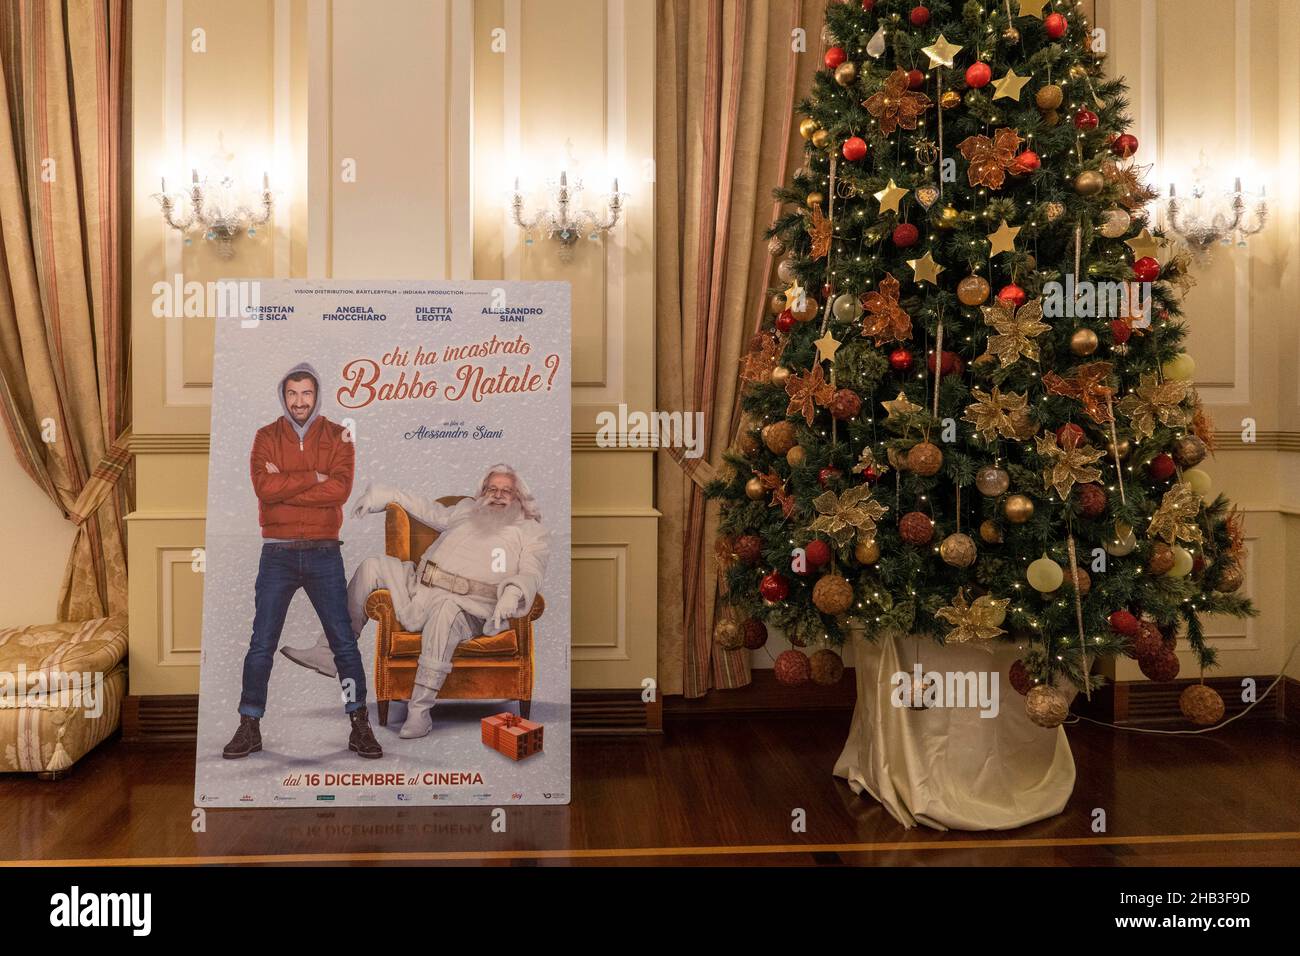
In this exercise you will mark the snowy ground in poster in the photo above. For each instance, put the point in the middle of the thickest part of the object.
(305, 760)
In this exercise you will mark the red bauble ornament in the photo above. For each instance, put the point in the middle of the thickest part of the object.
(774, 586)
(1120, 331)
(755, 632)
(919, 16)
(818, 553)
(854, 148)
(1055, 25)
(1161, 467)
(1018, 677)
(1149, 642)
(1069, 429)
(1146, 269)
(792, 667)
(1198, 565)
(1012, 294)
(1085, 119)
(1123, 622)
(950, 364)
(1124, 145)
(749, 548)
(827, 475)
(978, 74)
(905, 235)
(1092, 501)
(900, 360)
(1028, 162)
(834, 57)
(916, 528)
(1159, 667)
(915, 79)
(828, 290)
(845, 404)
(785, 322)
(868, 5)
(870, 475)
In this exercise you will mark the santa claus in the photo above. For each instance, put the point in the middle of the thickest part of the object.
(485, 567)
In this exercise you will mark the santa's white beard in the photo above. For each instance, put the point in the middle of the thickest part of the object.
(489, 519)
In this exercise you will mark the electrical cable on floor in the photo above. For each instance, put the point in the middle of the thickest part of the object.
(1204, 730)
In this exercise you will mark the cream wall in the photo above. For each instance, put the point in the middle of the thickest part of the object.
(38, 540)
(1221, 78)
(412, 95)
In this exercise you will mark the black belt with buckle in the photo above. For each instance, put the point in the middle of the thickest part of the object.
(306, 544)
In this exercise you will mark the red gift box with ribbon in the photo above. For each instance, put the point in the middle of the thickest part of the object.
(513, 736)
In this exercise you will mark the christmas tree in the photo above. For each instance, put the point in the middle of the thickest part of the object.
(971, 415)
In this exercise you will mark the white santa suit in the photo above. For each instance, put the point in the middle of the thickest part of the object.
(466, 548)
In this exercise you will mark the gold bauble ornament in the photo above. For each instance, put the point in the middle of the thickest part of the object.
(1078, 71)
(785, 270)
(948, 218)
(1082, 582)
(973, 290)
(1199, 480)
(808, 312)
(1084, 342)
(1018, 508)
(1230, 578)
(832, 594)
(776, 304)
(1201, 705)
(1123, 543)
(814, 199)
(990, 533)
(749, 444)
(1114, 223)
(1180, 368)
(796, 456)
(1044, 575)
(1122, 449)
(1049, 97)
(1161, 559)
(780, 375)
(925, 459)
(821, 139)
(728, 635)
(1051, 118)
(827, 666)
(1189, 451)
(950, 100)
(779, 437)
(754, 490)
(1046, 706)
(992, 481)
(1089, 183)
(846, 74)
(1011, 35)
(807, 127)
(866, 552)
(1054, 211)
(958, 550)
(775, 247)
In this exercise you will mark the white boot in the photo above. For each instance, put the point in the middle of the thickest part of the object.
(318, 657)
(418, 722)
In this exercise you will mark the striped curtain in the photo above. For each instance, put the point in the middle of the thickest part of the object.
(63, 339)
(729, 72)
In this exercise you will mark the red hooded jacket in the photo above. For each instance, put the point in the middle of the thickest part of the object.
(293, 504)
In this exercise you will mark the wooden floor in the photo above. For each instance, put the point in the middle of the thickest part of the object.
(707, 792)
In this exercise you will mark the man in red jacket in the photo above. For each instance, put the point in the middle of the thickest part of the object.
(302, 474)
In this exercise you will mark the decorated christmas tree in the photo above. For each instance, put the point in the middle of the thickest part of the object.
(970, 414)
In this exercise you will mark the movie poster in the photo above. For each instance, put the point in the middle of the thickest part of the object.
(386, 593)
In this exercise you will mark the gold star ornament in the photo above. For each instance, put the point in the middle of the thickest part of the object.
(1004, 239)
(890, 197)
(941, 52)
(1030, 8)
(795, 296)
(900, 406)
(1009, 86)
(827, 346)
(925, 269)
(1142, 245)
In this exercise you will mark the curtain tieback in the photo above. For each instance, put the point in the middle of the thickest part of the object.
(697, 469)
(102, 480)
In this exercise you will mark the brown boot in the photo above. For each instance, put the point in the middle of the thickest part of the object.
(363, 738)
(247, 739)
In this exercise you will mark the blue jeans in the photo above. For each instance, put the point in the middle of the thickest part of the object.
(280, 573)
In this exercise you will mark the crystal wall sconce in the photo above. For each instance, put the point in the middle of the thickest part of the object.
(214, 212)
(1210, 216)
(560, 222)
